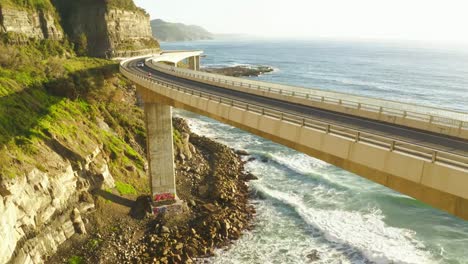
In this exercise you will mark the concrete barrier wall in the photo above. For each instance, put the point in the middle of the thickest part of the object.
(435, 124)
(440, 185)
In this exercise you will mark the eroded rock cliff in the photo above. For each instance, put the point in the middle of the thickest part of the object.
(100, 28)
(43, 209)
(110, 30)
(29, 23)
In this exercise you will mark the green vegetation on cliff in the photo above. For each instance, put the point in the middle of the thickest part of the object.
(122, 4)
(28, 4)
(68, 106)
(67, 7)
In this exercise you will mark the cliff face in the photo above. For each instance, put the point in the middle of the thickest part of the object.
(40, 211)
(110, 30)
(129, 29)
(99, 28)
(36, 24)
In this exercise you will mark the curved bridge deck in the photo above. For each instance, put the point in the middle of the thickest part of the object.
(429, 166)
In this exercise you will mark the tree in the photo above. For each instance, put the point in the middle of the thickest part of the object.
(81, 45)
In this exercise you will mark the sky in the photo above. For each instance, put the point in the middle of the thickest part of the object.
(420, 20)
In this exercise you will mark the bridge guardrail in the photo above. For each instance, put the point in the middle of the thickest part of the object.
(453, 120)
(390, 144)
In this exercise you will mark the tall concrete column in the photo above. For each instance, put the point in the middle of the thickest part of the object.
(194, 63)
(160, 151)
(191, 63)
(197, 63)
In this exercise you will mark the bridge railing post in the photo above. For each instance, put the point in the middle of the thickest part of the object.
(392, 145)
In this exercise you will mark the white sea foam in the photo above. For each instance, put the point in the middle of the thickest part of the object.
(278, 239)
(299, 162)
(353, 232)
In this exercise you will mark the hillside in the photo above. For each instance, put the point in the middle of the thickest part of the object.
(64, 130)
(166, 31)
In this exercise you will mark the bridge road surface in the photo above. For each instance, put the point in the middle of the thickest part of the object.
(417, 137)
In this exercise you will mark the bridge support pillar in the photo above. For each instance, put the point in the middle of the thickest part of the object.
(160, 152)
(194, 63)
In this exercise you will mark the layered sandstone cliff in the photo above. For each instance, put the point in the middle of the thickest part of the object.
(40, 210)
(35, 24)
(110, 30)
(100, 28)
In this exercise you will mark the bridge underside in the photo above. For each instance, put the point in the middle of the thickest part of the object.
(438, 185)
(192, 57)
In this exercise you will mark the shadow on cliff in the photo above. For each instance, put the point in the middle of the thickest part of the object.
(87, 18)
(20, 112)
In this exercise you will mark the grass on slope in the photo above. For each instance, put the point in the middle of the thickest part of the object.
(70, 107)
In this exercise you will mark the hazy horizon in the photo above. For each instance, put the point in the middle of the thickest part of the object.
(397, 20)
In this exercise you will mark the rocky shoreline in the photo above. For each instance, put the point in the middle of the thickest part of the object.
(240, 71)
(210, 179)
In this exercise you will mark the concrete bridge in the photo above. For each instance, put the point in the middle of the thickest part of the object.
(416, 150)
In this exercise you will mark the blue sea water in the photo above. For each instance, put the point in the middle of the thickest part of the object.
(306, 206)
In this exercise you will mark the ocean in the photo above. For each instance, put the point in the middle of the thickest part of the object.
(308, 210)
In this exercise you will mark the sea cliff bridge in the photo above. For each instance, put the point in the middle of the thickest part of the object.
(415, 150)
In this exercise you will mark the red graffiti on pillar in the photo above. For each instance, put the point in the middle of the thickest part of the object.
(164, 197)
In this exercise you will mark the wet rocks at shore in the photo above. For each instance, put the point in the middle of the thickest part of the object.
(211, 181)
(314, 256)
(242, 152)
(240, 71)
(213, 185)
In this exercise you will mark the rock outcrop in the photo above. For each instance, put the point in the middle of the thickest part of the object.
(30, 24)
(240, 71)
(40, 210)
